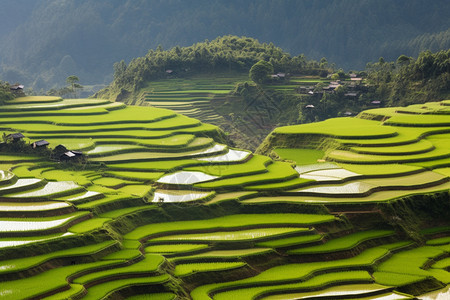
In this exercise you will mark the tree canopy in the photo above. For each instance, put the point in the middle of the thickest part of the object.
(5, 92)
(261, 71)
(411, 80)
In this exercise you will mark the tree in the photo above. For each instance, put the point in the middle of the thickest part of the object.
(73, 80)
(323, 63)
(403, 60)
(261, 71)
(5, 92)
(119, 69)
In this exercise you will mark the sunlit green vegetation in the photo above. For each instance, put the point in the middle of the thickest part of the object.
(277, 171)
(54, 279)
(15, 265)
(411, 262)
(257, 164)
(187, 269)
(300, 156)
(315, 283)
(250, 234)
(103, 289)
(232, 221)
(174, 248)
(290, 241)
(150, 263)
(341, 128)
(343, 243)
(295, 272)
(108, 225)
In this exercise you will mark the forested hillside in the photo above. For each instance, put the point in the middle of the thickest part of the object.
(411, 80)
(248, 88)
(227, 53)
(85, 38)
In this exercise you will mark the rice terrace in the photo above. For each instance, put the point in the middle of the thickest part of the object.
(141, 160)
(162, 208)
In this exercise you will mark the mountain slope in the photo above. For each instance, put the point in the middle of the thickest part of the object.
(86, 37)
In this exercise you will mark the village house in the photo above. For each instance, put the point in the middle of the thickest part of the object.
(375, 102)
(16, 87)
(60, 149)
(351, 94)
(40, 144)
(71, 155)
(15, 137)
(17, 90)
(278, 76)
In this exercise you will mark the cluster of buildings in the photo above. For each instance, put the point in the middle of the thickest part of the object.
(353, 87)
(60, 152)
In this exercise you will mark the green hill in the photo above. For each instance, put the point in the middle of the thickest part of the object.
(210, 81)
(157, 206)
(223, 54)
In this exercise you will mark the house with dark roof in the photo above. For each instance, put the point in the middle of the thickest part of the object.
(16, 87)
(60, 148)
(17, 90)
(15, 137)
(39, 144)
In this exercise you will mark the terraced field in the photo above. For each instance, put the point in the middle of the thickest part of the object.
(191, 97)
(161, 208)
(214, 100)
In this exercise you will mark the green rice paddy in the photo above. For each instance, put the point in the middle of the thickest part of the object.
(341, 128)
(187, 269)
(251, 234)
(15, 265)
(174, 248)
(277, 171)
(349, 206)
(232, 221)
(344, 243)
(314, 283)
(300, 156)
(192, 96)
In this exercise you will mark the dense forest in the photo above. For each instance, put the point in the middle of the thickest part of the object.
(410, 80)
(43, 42)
